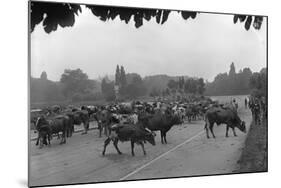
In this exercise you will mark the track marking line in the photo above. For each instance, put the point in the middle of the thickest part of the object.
(160, 156)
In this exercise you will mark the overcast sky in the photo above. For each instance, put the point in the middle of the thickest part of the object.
(201, 47)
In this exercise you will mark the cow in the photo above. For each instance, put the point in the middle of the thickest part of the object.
(226, 116)
(70, 128)
(188, 113)
(104, 119)
(82, 116)
(160, 122)
(91, 109)
(46, 127)
(56, 109)
(127, 132)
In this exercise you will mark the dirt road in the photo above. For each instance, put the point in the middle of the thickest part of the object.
(187, 153)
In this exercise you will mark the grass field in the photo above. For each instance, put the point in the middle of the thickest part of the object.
(254, 157)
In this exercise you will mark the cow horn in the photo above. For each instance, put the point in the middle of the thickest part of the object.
(147, 130)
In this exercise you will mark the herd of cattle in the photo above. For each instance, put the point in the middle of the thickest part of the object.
(135, 122)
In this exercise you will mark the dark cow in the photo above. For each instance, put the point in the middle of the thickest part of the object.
(56, 109)
(160, 122)
(226, 116)
(70, 128)
(82, 116)
(127, 132)
(46, 127)
(91, 110)
(188, 113)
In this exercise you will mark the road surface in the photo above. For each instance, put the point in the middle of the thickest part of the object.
(188, 153)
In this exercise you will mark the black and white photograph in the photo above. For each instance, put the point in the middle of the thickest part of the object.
(122, 93)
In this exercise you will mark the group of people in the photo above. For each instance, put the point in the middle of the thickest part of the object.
(258, 107)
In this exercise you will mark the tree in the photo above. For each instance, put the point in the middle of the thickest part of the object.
(123, 81)
(136, 88)
(190, 86)
(107, 89)
(43, 76)
(75, 81)
(172, 84)
(167, 91)
(181, 83)
(45, 91)
(232, 83)
(117, 76)
(258, 82)
(155, 92)
(232, 70)
(200, 86)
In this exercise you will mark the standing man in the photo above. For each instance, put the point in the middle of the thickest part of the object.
(246, 103)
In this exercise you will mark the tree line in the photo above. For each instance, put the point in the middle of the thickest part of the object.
(75, 85)
(231, 83)
(258, 83)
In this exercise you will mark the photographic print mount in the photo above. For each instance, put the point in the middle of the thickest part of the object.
(126, 93)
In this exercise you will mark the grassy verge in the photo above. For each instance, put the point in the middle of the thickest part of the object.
(254, 157)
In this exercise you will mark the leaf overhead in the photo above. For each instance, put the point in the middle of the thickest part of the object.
(53, 14)
(248, 23)
(248, 19)
(63, 14)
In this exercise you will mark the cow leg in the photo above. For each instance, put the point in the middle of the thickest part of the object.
(85, 128)
(49, 139)
(142, 145)
(68, 132)
(37, 140)
(62, 139)
(207, 130)
(211, 129)
(41, 139)
(106, 142)
(64, 136)
(132, 148)
(226, 133)
(45, 140)
(234, 133)
(162, 137)
(100, 129)
(115, 143)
